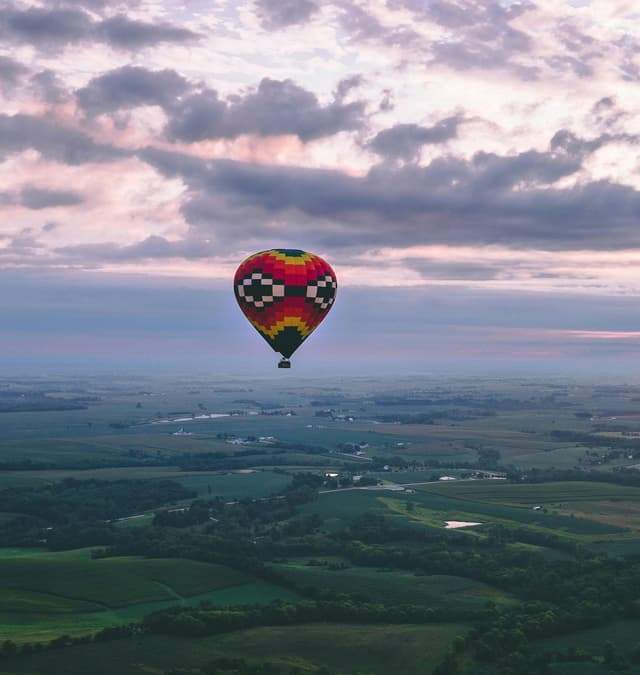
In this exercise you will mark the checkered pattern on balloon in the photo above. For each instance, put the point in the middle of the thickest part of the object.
(285, 294)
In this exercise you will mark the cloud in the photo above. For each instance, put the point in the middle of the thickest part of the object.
(129, 87)
(62, 144)
(49, 87)
(124, 33)
(276, 14)
(479, 34)
(572, 144)
(346, 85)
(39, 198)
(404, 141)
(565, 63)
(57, 27)
(363, 26)
(11, 71)
(153, 247)
(274, 108)
(452, 270)
(44, 27)
(488, 199)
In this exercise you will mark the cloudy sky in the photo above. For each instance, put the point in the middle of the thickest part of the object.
(470, 169)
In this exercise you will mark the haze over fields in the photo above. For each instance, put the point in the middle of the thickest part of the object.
(468, 168)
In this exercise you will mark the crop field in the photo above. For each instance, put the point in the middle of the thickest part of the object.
(625, 635)
(344, 648)
(225, 484)
(338, 509)
(433, 510)
(510, 442)
(432, 504)
(615, 505)
(396, 587)
(235, 485)
(46, 594)
(132, 421)
(532, 493)
(501, 513)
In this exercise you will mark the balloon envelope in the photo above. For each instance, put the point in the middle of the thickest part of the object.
(285, 294)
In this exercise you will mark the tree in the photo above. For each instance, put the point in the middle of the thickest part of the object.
(9, 648)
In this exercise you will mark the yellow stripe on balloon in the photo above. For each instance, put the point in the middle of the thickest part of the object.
(289, 321)
(291, 259)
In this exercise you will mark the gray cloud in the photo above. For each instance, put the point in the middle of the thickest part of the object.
(11, 71)
(404, 141)
(570, 63)
(346, 85)
(606, 114)
(57, 27)
(93, 5)
(39, 198)
(62, 144)
(44, 27)
(482, 35)
(20, 245)
(573, 38)
(274, 108)
(152, 247)
(630, 71)
(487, 54)
(124, 33)
(447, 270)
(275, 14)
(488, 199)
(571, 144)
(49, 87)
(363, 26)
(129, 87)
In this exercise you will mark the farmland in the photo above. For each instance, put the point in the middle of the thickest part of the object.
(113, 582)
(353, 649)
(385, 586)
(44, 595)
(265, 520)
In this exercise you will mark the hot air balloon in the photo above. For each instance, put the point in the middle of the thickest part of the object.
(285, 294)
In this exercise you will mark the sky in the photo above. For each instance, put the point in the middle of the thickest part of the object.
(469, 169)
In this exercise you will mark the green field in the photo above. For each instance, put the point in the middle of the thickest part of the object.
(624, 634)
(532, 493)
(604, 503)
(348, 649)
(43, 595)
(433, 504)
(393, 587)
(236, 484)
(338, 509)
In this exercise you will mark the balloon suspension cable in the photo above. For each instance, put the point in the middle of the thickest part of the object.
(284, 363)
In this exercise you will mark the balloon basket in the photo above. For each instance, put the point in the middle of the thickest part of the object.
(284, 363)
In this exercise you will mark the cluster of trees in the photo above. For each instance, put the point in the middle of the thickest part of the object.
(277, 453)
(242, 667)
(9, 648)
(504, 645)
(629, 477)
(37, 401)
(342, 608)
(595, 441)
(75, 513)
(557, 596)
